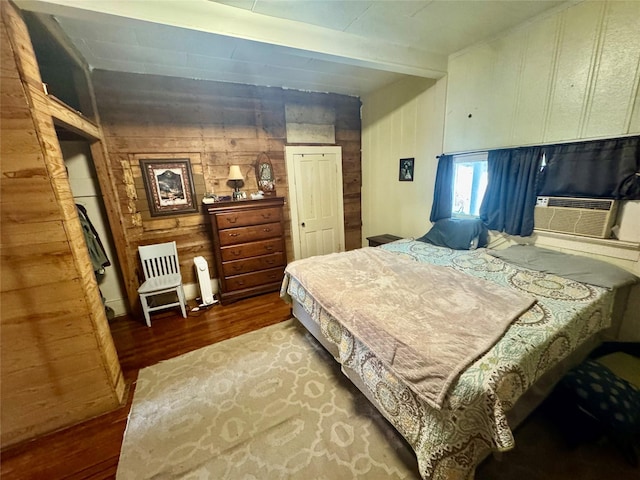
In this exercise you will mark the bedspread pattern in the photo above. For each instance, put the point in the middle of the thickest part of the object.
(451, 441)
(388, 303)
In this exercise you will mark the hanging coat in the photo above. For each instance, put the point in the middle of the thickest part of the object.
(97, 253)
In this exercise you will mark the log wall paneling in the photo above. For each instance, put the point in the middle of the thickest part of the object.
(217, 125)
(58, 362)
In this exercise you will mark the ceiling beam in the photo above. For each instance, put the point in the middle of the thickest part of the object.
(211, 17)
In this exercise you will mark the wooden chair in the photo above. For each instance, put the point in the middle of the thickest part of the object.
(162, 278)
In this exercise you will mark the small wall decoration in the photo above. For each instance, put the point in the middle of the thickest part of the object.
(169, 186)
(264, 175)
(406, 170)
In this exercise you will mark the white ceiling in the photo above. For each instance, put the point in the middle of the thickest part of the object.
(348, 47)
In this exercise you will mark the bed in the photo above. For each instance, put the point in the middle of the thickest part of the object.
(454, 422)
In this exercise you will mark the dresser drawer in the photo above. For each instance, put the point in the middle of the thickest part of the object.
(253, 264)
(248, 280)
(253, 249)
(232, 236)
(243, 219)
(250, 251)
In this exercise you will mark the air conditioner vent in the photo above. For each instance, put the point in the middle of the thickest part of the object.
(586, 203)
(591, 217)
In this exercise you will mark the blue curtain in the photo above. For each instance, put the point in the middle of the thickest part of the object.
(443, 194)
(599, 168)
(510, 199)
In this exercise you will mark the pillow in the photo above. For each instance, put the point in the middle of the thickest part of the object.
(574, 267)
(612, 400)
(457, 233)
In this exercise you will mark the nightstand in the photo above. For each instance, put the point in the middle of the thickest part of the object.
(378, 240)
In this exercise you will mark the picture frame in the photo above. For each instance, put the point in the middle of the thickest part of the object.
(240, 195)
(265, 177)
(168, 183)
(405, 173)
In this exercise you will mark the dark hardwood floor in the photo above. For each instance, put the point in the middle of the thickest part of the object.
(91, 450)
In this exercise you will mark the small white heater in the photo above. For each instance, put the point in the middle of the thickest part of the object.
(202, 269)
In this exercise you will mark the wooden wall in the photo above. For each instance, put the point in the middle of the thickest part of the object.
(215, 125)
(58, 362)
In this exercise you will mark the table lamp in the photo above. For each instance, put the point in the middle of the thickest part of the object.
(235, 176)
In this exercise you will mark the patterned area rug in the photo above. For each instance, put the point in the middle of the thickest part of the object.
(270, 404)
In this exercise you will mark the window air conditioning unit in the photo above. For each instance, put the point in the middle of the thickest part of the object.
(590, 217)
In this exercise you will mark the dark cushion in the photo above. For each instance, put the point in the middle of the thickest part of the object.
(457, 233)
(610, 399)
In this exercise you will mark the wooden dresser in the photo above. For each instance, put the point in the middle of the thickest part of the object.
(249, 247)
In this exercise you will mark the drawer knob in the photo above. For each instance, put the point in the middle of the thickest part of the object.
(236, 253)
(266, 215)
(266, 229)
(234, 234)
(237, 268)
(268, 248)
(232, 220)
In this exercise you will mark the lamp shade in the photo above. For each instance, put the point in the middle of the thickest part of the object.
(235, 173)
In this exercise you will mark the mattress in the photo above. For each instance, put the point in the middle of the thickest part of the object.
(490, 397)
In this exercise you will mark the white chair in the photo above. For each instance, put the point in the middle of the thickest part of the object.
(162, 277)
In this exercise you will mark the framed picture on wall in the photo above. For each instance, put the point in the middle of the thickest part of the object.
(169, 186)
(406, 170)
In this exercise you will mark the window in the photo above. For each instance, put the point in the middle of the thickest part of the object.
(469, 184)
